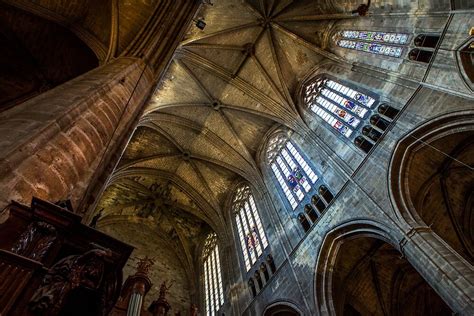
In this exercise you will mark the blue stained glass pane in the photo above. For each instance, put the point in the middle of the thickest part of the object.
(374, 36)
(341, 128)
(362, 98)
(372, 48)
(252, 239)
(295, 178)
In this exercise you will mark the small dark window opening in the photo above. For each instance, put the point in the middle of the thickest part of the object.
(326, 194)
(467, 60)
(271, 263)
(309, 210)
(258, 279)
(252, 288)
(423, 40)
(423, 56)
(371, 133)
(318, 203)
(264, 270)
(304, 222)
(388, 111)
(363, 144)
(379, 122)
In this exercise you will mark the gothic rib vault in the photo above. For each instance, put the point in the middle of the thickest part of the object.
(202, 130)
(107, 27)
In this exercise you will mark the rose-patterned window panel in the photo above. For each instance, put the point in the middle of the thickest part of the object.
(343, 108)
(380, 43)
(249, 226)
(294, 175)
(214, 294)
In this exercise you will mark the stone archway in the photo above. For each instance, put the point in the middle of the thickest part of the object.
(281, 309)
(360, 272)
(432, 180)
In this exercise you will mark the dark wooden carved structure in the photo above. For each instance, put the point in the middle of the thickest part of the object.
(51, 264)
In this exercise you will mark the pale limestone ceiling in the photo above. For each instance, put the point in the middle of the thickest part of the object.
(226, 86)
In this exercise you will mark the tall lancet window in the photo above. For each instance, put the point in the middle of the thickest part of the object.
(380, 43)
(293, 173)
(340, 106)
(251, 234)
(214, 294)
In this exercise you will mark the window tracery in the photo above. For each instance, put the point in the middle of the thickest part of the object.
(374, 42)
(214, 294)
(340, 106)
(347, 109)
(249, 226)
(294, 175)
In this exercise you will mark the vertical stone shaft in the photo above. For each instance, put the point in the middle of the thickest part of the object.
(57, 145)
(155, 43)
(52, 144)
(447, 272)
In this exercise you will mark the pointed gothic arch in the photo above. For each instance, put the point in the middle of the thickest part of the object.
(285, 164)
(353, 255)
(282, 308)
(438, 194)
(250, 231)
(211, 274)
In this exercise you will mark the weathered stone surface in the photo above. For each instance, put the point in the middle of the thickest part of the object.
(81, 128)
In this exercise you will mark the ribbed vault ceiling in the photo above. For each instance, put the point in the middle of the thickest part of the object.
(226, 86)
(106, 26)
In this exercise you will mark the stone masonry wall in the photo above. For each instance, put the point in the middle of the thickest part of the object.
(362, 182)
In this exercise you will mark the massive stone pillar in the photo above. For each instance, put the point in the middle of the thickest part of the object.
(62, 143)
(447, 272)
(52, 144)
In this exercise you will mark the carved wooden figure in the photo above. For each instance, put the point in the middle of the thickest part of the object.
(35, 241)
(70, 273)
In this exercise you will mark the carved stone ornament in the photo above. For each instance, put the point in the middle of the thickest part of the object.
(35, 241)
(85, 270)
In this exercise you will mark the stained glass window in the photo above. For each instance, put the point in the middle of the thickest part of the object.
(340, 106)
(381, 43)
(249, 226)
(214, 294)
(293, 173)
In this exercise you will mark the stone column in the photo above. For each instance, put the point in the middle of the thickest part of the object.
(51, 145)
(450, 275)
(63, 143)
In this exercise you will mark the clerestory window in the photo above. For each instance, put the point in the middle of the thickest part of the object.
(374, 42)
(293, 173)
(253, 240)
(214, 294)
